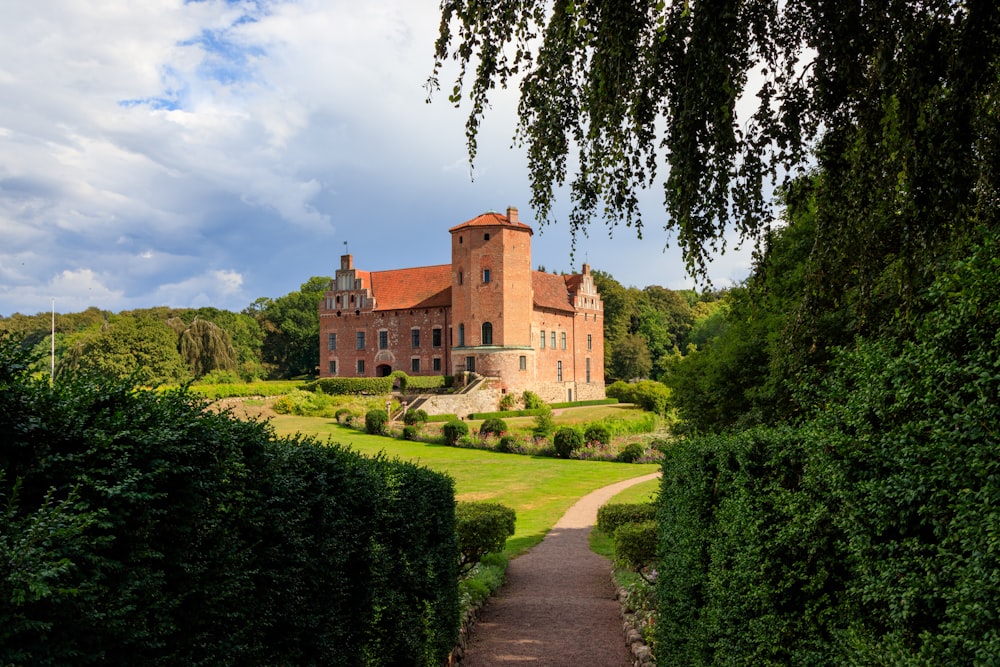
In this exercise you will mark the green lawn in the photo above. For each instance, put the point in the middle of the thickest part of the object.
(539, 489)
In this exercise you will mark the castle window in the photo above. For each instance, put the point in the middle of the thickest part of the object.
(522, 363)
(558, 371)
(459, 240)
(459, 277)
(436, 337)
(361, 366)
(486, 275)
(590, 342)
(461, 335)
(588, 370)
(542, 339)
(436, 363)
(361, 340)
(486, 237)
(553, 340)
(487, 333)
(415, 364)
(331, 341)
(414, 337)
(470, 364)
(383, 340)
(562, 340)
(333, 367)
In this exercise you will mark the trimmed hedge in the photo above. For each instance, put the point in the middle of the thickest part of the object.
(338, 385)
(868, 533)
(611, 516)
(582, 404)
(504, 414)
(140, 528)
(482, 528)
(635, 544)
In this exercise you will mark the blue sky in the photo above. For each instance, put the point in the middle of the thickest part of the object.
(209, 153)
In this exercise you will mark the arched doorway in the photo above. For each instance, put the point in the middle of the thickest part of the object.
(383, 370)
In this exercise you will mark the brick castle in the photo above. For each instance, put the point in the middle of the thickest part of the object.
(487, 312)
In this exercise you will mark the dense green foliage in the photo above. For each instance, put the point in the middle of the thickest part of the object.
(290, 328)
(493, 426)
(482, 528)
(376, 421)
(137, 527)
(566, 441)
(865, 535)
(339, 385)
(635, 544)
(454, 430)
(611, 516)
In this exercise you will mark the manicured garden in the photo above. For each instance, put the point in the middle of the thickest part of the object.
(539, 489)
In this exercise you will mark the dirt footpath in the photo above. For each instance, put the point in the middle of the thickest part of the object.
(558, 606)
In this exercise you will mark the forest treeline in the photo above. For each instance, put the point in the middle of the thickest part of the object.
(646, 331)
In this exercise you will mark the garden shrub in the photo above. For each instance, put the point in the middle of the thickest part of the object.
(507, 444)
(140, 528)
(414, 417)
(376, 421)
(342, 385)
(649, 394)
(507, 402)
(482, 528)
(493, 426)
(597, 433)
(635, 544)
(631, 453)
(343, 414)
(611, 516)
(544, 424)
(410, 433)
(531, 400)
(566, 441)
(453, 431)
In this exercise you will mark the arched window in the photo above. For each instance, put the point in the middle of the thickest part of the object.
(487, 333)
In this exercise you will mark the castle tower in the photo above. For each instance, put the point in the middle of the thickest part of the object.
(492, 295)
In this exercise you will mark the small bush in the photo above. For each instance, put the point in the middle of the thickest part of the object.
(410, 433)
(567, 441)
(343, 415)
(507, 402)
(635, 544)
(453, 431)
(482, 528)
(614, 515)
(493, 427)
(632, 452)
(531, 400)
(544, 424)
(597, 433)
(375, 421)
(414, 417)
(507, 444)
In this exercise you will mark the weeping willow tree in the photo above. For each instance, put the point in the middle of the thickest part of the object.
(205, 346)
(895, 104)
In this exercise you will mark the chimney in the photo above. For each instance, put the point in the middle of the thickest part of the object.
(511, 215)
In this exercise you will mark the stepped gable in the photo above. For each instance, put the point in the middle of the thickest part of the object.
(421, 287)
(550, 291)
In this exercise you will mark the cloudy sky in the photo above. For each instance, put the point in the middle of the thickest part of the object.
(209, 153)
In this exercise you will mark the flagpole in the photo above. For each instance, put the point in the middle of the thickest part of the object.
(52, 374)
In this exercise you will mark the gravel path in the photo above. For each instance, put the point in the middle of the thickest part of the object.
(558, 606)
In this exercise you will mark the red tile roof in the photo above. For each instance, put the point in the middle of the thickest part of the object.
(421, 287)
(551, 291)
(491, 219)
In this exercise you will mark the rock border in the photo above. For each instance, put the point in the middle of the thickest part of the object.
(642, 656)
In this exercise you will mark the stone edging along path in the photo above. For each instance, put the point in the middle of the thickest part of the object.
(558, 605)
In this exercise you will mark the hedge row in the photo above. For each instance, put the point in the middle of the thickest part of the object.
(503, 414)
(338, 385)
(139, 528)
(868, 535)
(581, 404)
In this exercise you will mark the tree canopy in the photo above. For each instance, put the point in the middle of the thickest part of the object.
(895, 102)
